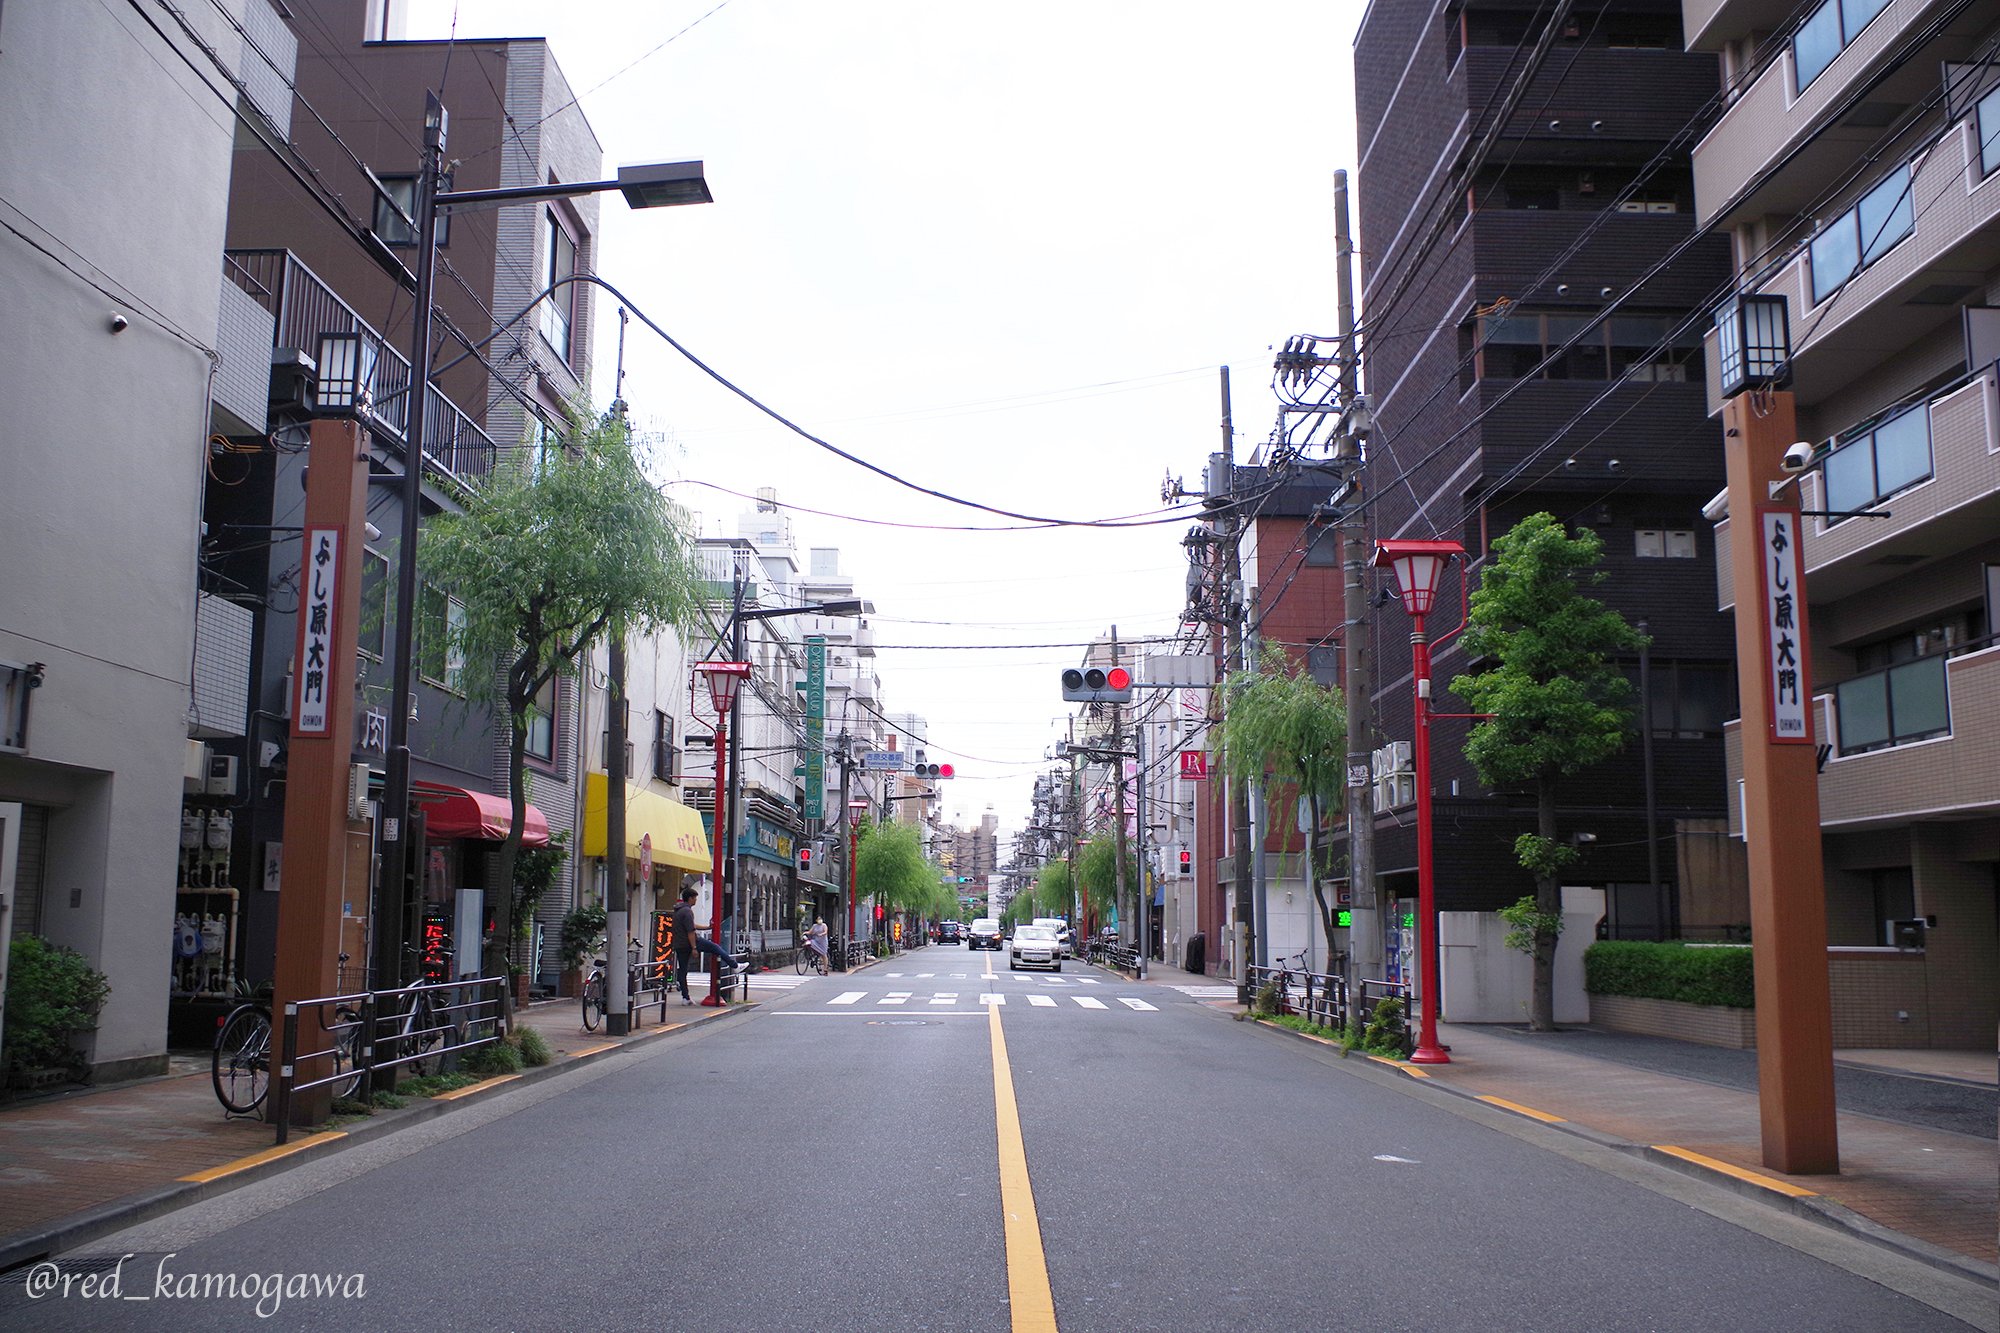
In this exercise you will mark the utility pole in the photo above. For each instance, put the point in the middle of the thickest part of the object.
(1232, 611)
(617, 899)
(844, 851)
(1139, 829)
(1118, 803)
(1364, 937)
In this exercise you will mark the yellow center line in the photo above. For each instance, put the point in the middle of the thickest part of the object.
(1032, 1303)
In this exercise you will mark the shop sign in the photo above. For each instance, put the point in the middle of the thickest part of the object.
(313, 679)
(815, 801)
(1787, 692)
(1194, 764)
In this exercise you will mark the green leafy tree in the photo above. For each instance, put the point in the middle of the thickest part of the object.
(889, 867)
(1055, 891)
(565, 542)
(1286, 728)
(1097, 873)
(1558, 699)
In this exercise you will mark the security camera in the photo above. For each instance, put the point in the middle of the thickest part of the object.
(119, 323)
(1798, 457)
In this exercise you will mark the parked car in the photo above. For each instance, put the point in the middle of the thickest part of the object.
(985, 934)
(950, 932)
(1064, 935)
(1034, 945)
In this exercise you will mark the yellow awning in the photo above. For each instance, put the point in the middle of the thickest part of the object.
(678, 838)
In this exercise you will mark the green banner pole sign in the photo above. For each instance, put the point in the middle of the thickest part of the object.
(815, 726)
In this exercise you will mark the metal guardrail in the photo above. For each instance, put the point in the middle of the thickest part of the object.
(377, 1030)
(1318, 997)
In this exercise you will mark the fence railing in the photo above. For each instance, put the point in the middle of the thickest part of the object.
(346, 1039)
(1318, 997)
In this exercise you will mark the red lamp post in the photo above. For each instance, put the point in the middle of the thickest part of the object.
(723, 680)
(1418, 566)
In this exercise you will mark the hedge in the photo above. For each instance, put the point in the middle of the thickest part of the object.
(1705, 975)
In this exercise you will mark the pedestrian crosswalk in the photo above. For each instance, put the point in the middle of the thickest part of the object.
(1046, 978)
(971, 1002)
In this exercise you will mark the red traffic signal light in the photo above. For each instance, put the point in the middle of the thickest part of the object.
(805, 859)
(933, 771)
(1097, 685)
(1187, 861)
(879, 913)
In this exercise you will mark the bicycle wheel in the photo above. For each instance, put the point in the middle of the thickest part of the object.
(819, 963)
(347, 1054)
(421, 1035)
(593, 1003)
(240, 1063)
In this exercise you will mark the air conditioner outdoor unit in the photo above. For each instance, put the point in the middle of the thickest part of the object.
(294, 378)
(1400, 757)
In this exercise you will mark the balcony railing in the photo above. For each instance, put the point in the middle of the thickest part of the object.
(303, 307)
(1903, 703)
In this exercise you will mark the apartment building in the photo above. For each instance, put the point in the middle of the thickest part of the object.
(1853, 174)
(1534, 293)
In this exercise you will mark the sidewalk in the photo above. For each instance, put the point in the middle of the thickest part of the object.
(88, 1161)
(1919, 1167)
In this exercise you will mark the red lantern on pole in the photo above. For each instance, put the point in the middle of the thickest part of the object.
(1419, 565)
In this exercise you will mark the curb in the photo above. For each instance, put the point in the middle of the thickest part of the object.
(80, 1228)
(1812, 1207)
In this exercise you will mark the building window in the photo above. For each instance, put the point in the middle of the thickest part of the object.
(1989, 132)
(559, 263)
(1863, 234)
(1322, 547)
(1323, 662)
(389, 224)
(542, 719)
(1894, 707)
(1829, 30)
(1547, 345)
(374, 627)
(1879, 462)
(1690, 700)
(663, 747)
(1664, 543)
(441, 639)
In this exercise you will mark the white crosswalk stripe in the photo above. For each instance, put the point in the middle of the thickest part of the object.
(895, 997)
(1208, 992)
(1044, 1001)
(847, 997)
(1130, 1003)
(778, 981)
(971, 1001)
(944, 997)
(990, 998)
(1088, 1001)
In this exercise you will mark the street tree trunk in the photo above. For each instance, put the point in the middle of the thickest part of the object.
(1548, 908)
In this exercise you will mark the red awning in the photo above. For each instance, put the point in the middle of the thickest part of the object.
(454, 812)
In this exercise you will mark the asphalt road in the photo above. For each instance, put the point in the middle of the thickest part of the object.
(840, 1158)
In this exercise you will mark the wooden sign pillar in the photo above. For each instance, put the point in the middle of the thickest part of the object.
(310, 888)
(1780, 792)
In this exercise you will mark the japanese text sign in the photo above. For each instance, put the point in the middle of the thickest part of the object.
(1782, 593)
(313, 675)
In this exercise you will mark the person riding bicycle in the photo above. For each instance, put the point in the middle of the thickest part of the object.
(816, 937)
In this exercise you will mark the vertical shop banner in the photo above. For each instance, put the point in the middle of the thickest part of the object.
(313, 679)
(1784, 645)
(815, 726)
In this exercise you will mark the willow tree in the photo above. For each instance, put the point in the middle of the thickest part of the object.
(565, 542)
(1097, 873)
(1286, 729)
(1558, 699)
(889, 866)
(1055, 891)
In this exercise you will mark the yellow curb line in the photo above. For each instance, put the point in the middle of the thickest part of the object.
(592, 1050)
(480, 1086)
(1411, 1070)
(1031, 1302)
(214, 1173)
(1527, 1111)
(1784, 1187)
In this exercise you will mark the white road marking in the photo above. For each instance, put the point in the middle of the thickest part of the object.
(894, 997)
(1208, 992)
(1138, 1004)
(1391, 1157)
(1088, 1001)
(1045, 1001)
(944, 997)
(991, 998)
(847, 997)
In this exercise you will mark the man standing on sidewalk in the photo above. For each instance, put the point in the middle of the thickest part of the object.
(686, 942)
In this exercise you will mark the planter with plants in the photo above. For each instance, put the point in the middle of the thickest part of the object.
(1699, 993)
(53, 993)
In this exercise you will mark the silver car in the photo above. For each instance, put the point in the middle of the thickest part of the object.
(1034, 946)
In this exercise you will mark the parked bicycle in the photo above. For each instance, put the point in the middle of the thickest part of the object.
(652, 980)
(239, 1062)
(1281, 979)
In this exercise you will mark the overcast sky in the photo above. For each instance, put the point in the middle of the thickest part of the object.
(998, 250)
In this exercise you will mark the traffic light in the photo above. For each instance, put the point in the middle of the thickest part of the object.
(879, 912)
(1097, 685)
(805, 858)
(933, 772)
(1187, 861)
